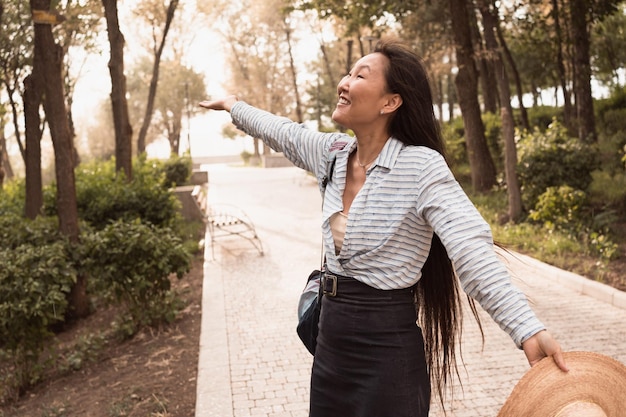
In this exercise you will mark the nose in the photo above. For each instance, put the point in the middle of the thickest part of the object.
(343, 84)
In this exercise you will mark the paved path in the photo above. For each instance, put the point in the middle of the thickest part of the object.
(251, 360)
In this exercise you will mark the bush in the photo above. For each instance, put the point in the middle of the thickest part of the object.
(543, 116)
(130, 264)
(455, 142)
(34, 283)
(552, 159)
(560, 208)
(608, 189)
(104, 196)
(177, 171)
(12, 197)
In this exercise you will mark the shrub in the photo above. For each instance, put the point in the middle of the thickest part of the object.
(177, 171)
(560, 208)
(543, 116)
(608, 189)
(34, 283)
(455, 143)
(130, 264)
(551, 159)
(104, 196)
(12, 197)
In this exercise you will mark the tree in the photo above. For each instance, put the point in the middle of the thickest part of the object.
(16, 58)
(608, 53)
(483, 170)
(153, 12)
(51, 56)
(180, 87)
(579, 15)
(260, 69)
(490, 27)
(119, 104)
(83, 21)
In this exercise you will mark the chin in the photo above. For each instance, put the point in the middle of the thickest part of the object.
(336, 117)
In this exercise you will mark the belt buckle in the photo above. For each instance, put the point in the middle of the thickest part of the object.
(332, 280)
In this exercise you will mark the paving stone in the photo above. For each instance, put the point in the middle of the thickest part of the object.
(251, 361)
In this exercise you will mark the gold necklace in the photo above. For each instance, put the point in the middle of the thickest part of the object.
(358, 161)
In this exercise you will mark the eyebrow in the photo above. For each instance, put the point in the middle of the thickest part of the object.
(361, 67)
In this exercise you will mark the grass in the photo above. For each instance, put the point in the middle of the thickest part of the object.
(558, 248)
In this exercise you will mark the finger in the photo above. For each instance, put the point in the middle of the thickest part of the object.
(206, 104)
(560, 361)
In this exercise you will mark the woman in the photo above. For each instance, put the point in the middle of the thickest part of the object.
(396, 228)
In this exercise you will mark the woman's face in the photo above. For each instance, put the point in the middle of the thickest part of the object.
(362, 92)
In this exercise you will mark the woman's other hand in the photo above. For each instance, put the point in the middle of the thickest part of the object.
(221, 104)
(542, 344)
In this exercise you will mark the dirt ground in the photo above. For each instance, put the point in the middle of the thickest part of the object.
(153, 374)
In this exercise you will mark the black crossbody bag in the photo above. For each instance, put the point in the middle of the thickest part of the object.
(310, 303)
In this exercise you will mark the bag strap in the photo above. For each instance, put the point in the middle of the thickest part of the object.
(330, 168)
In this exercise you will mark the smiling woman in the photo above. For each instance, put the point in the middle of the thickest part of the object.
(396, 227)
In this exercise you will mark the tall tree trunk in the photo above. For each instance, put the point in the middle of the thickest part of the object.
(451, 93)
(483, 171)
(7, 169)
(154, 81)
(488, 85)
(329, 71)
(518, 81)
(33, 97)
(51, 56)
(5, 165)
(567, 101)
(582, 71)
(16, 120)
(294, 77)
(490, 24)
(119, 104)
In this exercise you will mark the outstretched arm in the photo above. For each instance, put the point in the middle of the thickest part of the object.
(221, 104)
(541, 345)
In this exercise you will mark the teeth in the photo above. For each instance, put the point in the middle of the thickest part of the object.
(343, 101)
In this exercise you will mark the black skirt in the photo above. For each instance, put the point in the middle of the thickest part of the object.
(369, 360)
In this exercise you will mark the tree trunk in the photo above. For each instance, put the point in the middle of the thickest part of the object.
(154, 81)
(582, 71)
(485, 68)
(451, 93)
(490, 24)
(7, 169)
(329, 71)
(51, 56)
(33, 97)
(483, 171)
(5, 165)
(123, 129)
(294, 77)
(516, 76)
(567, 101)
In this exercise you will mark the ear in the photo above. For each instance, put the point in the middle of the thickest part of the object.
(393, 102)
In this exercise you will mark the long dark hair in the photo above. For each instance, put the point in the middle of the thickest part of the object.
(438, 296)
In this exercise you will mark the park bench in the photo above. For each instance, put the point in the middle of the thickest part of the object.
(225, 220)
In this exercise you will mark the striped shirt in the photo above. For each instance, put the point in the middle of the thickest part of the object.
(409, 194)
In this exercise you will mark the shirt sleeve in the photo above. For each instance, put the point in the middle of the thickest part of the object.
(304, 147)
(469, 243)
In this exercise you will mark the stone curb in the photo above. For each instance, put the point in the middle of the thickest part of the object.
(581, 284)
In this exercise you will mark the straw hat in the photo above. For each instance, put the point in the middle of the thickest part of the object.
(595, 386)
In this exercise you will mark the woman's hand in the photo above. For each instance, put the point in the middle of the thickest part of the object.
(541, 345)
(221, 104)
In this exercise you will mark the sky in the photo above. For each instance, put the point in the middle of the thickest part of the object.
(204, 131)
